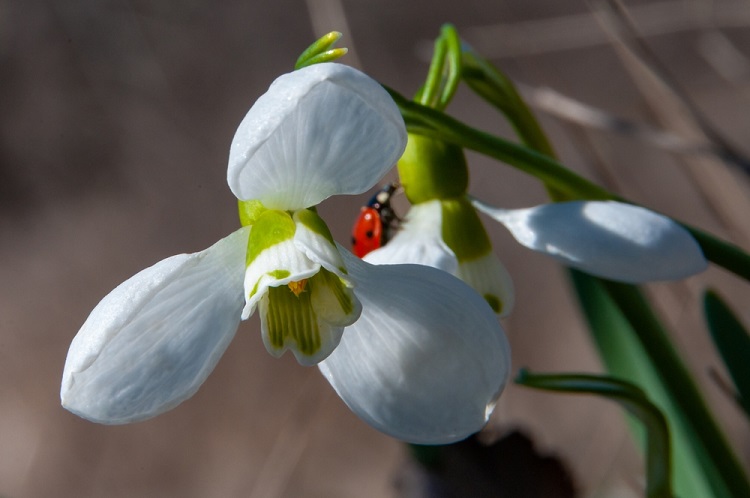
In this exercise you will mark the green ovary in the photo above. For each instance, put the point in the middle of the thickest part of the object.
(432, 169)
(270, 228)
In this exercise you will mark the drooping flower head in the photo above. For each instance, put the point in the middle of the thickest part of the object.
(323, 130)
(608, 239)
(412, 350)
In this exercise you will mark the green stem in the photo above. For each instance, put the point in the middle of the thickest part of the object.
(727, 255)
(444, 74)
(498, 90)
(634, 400)
(429, 95)
(429, 122)
(567, 184)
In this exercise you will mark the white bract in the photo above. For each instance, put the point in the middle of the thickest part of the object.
(412, 350)
(608, 239)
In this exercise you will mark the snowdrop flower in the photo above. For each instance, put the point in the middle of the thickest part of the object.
(608, 239)
(412, 350)
(442, 229)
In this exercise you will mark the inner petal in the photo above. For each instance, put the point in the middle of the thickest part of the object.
(291, 322)
(308, 318)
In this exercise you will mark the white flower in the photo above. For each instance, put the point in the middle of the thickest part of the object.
(608, 239)
(421, 357)
(421, 239)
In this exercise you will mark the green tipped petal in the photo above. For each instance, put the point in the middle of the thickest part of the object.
(291, 322)
(334, 299)
(491, 280)
(308, 323)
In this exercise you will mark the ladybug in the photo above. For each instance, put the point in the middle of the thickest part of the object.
(375, 222)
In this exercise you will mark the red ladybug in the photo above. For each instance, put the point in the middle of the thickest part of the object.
(375, 222)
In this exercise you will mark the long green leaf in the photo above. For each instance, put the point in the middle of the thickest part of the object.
(733, 343)
(704, 464)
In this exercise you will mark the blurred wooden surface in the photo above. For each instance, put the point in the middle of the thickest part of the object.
(115, 122)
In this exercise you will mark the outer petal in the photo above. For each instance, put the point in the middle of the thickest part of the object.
(609, 239)
(322, 130)
(427, 359)
(418, 241)
(151, 342)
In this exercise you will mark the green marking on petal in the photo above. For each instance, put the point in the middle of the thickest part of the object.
(249, 211)
(495, 303)
(336, 286)
(343, 270)
(254, 291)
(313, 222)
(279, 274)
(270, 228)
(292, 321)
(462, 230)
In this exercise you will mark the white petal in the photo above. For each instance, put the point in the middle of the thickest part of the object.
(609, 239)
(418, 241)
(427, 359)
(151, 342)
(488, 276)
(322, 130)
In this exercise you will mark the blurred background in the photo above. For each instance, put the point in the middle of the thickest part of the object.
(115, 123)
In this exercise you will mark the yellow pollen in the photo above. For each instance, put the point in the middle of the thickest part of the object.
(297, 287)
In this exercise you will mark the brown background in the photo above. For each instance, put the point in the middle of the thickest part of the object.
(115, 122)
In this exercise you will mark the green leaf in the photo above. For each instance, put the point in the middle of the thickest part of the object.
(635, 401)
(633, 346)
(733, 343)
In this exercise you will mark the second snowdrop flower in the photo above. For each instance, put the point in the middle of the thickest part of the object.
(442, 228)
